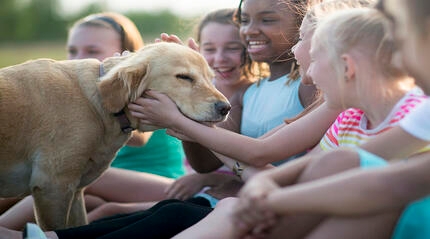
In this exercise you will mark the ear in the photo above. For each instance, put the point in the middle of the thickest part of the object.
(122, 85)
(349, 64)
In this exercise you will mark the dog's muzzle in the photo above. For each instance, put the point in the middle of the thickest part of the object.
(222, 108)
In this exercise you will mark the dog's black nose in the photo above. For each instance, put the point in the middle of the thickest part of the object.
(222, 107)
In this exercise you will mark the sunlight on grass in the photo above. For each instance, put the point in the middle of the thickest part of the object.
(15, 53)
(11, 54)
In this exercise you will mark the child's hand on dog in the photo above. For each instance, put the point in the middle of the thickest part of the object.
(156, 109)
(164, 37)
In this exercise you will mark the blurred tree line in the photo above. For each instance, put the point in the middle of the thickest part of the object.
(40, 20)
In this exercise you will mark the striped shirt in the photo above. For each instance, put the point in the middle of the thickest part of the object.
(350, 128)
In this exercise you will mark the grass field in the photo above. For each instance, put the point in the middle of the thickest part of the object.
(14, 53)
(11, 53)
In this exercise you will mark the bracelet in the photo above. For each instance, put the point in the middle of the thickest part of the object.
(237, 169)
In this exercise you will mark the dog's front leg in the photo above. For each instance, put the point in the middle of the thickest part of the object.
(78, 213)
(52, 205)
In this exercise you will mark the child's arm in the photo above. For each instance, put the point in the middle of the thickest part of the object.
(394, 143)
(287, 141)
(384, 188)
(202, 159)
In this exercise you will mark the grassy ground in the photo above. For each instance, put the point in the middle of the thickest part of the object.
(14, 53)
(11, 53)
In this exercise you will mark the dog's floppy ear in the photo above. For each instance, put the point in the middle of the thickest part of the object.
(123, 84)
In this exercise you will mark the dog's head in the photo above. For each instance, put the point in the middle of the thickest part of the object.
(170, 68)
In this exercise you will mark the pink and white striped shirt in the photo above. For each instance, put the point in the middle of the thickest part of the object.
(350, 128)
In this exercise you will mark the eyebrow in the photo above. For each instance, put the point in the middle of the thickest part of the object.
(228, 43)
(268, 12)
(262, 13)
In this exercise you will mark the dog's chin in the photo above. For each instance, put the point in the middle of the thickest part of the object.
(208, 123)
(210, 120)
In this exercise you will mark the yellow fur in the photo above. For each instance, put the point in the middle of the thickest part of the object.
(58, 132)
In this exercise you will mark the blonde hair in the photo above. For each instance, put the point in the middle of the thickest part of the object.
(317, 11)
(364, 30)
(131, 40)
(323, 9)
(357, 28)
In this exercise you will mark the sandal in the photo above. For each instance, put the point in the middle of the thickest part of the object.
(33, 231)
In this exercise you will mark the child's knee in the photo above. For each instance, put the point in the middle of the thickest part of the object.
(330, 163)
(228, 202)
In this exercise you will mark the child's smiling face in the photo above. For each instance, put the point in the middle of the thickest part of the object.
(324, 76)
(269, 30)
(301, 50)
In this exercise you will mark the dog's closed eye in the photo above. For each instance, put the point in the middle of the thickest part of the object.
(184, 77)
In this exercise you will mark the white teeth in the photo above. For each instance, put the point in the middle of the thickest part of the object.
(223, 69)
(256, 44)
(253, 43)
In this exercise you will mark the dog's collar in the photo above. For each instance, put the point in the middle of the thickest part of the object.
(101, 70)
(121, 116)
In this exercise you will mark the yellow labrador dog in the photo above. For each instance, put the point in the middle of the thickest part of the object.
(62, 124)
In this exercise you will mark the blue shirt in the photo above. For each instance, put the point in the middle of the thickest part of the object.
(268, 104)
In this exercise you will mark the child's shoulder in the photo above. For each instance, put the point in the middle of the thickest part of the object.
(350, 115)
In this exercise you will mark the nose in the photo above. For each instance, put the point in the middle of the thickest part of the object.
(220, 56)
(78, 55)
(222, 108)
(249, 28)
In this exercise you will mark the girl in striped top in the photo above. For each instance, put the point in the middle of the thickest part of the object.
(353, 127)
(355, 72)
(351, 62)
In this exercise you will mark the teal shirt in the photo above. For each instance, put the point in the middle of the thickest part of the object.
(162, 155)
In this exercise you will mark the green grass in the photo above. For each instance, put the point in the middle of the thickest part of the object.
(14, 53)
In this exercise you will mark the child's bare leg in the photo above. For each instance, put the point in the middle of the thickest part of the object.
(6, 203)
(121, 185)
(18, 215)
(9, 234)
(377, 226)
(298, 226)
(92, 202)
(218, 224)
(295, 226)
(330, 164)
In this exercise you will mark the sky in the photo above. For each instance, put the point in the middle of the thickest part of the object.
(182, 7)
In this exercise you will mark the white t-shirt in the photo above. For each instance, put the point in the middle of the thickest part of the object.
(417, 123)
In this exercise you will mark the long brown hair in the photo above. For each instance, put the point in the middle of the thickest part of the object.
(131, 40)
